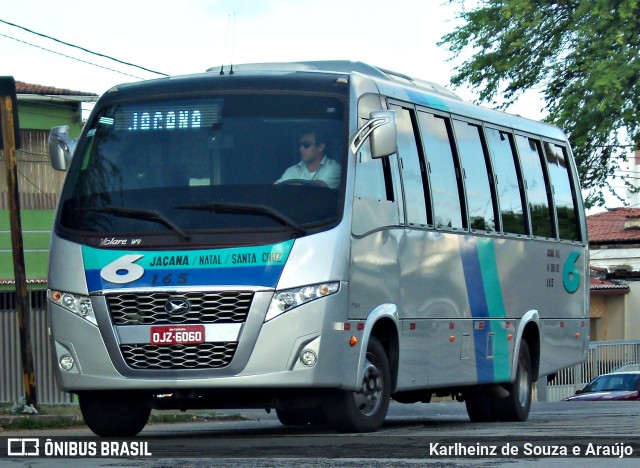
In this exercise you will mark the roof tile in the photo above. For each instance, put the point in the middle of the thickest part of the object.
(603, 286)
(609, 226)
(28, 88)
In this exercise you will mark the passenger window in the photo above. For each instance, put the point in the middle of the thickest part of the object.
(508, 184)
(563, 191)
(538, 190)
(443, 171)
(413, 176)
(480, 203)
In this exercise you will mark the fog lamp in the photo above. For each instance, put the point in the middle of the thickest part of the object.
(66, 362)
(308, 358)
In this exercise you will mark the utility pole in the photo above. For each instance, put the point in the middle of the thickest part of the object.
(9, 142)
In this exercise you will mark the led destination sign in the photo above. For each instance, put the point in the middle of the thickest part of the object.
(155, 117)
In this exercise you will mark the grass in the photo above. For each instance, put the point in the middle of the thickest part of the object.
(64, 416)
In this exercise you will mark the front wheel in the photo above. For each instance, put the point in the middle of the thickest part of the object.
(365, 409)
(301, 416)
(114, 414)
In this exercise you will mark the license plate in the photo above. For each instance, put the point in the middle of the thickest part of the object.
(167, 335)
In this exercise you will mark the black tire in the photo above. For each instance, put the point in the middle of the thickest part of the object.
(483, 406)
(114, 414)
(366, 409)
(516, 406)
(301, 416)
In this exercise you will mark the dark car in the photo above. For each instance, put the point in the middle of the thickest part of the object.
(614, 386)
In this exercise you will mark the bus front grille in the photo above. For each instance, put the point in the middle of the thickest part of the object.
(155, 308)
(202, 356)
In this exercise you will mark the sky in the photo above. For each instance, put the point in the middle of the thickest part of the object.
(192, 35)
(189, 36)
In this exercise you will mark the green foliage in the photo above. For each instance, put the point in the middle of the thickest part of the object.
(583, 55)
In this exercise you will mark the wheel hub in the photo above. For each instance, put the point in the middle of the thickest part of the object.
(368, 398)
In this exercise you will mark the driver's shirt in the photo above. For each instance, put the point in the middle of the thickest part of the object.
(328, 172)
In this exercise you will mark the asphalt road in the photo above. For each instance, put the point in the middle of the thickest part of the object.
(436, 434)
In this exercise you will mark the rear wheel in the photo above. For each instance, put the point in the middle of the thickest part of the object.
(483, 406)
(365, 409)
(516, 406)
(114, 414)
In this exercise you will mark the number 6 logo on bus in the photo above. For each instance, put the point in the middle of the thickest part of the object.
(571, 273)
(123, 270)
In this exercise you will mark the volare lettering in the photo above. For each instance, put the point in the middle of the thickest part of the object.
(177, 260)
(113, 241)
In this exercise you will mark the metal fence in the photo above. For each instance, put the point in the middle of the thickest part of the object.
(11, 376)
(604, 357)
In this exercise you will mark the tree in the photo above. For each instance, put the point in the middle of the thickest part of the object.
(584, 56)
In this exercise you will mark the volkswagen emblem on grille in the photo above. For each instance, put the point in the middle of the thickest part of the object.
(177, 306)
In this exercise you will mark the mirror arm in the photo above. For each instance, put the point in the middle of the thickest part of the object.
(365, 131)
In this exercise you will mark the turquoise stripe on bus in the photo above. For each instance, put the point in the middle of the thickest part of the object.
(495, 305)
(478, 303)
(486, 301)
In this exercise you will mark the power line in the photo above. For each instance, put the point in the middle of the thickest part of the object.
(81, 48)
(69, 56)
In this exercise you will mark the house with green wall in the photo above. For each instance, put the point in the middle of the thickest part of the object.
(39, 109)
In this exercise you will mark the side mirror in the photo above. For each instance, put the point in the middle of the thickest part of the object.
(382, 131)
(60, 147)
(384, 138)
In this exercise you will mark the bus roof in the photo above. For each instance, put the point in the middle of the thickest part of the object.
(404, 87)
(340, 66)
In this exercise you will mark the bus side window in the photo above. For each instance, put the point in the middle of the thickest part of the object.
(443, 172)
(374, 177)
(564, 191)
(370, 175)
(538, 188)
(476, 169)
(508, 184)
(413, 173)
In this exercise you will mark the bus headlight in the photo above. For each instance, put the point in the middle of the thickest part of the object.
(79, 305)
(288, 299)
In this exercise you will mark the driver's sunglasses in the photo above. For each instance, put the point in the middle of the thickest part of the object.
(306, 144)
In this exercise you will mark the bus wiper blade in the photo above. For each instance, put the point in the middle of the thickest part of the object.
(243, 208)
(140, 214)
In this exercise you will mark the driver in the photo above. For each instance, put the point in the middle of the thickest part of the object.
(314, 166)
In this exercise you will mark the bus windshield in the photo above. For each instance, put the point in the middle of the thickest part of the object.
(175, 170)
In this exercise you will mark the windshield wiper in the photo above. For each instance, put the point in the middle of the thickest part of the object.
(140, 214)
(245, 208)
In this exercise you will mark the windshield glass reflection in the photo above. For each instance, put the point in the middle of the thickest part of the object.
(208, 165)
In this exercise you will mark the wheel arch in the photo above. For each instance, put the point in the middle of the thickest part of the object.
(383, 324)
(530, 333)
